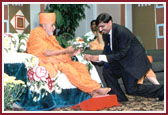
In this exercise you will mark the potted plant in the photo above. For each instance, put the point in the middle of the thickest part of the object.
(13, 89)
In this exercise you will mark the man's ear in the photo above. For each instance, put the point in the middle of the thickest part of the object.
(43, 26)
(110, 21)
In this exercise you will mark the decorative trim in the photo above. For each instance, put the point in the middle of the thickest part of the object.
(5, 4)
(158, 32)
(7, 25)
(19, 22)
(42, 7)
(159, 6)
(143, 5)
(17, 4)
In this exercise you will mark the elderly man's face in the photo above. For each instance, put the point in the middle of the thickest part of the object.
(49, 28)
(105, 27)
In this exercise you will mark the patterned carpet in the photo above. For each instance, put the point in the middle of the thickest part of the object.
(134, 104)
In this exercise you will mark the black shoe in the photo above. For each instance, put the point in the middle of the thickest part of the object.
(161, 94)
(161, 98)
(122, 98)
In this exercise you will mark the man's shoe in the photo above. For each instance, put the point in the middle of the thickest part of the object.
(161, 94)
(122, 98)
(161, 98)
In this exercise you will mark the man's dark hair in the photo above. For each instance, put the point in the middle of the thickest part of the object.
(103, 17)
(91, 23)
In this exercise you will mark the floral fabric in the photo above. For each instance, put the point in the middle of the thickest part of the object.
(10, 43)
(67, 97)
(38, 80)
(13, 42)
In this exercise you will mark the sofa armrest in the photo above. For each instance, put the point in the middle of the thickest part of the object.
(10, 42)
(28, 59)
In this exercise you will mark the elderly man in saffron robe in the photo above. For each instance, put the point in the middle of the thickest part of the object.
(43, 44)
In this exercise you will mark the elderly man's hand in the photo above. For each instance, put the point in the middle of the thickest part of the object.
(70, 49)
(76, 52)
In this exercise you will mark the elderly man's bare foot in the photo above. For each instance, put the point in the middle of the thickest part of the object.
(100, 92)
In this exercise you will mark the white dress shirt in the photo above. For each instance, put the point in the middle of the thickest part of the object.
(103, 57)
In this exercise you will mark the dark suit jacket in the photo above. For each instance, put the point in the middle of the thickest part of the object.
(128, 51)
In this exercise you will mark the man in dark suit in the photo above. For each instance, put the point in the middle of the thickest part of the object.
(124, 57)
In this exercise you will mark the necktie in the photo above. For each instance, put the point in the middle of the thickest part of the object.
(108, 48)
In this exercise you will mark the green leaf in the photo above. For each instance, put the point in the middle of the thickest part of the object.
(59, 19)
(59, 39)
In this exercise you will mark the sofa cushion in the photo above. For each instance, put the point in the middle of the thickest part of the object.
(158, 66)
(14, 42)
(22, 42)
(14, 57)
(157, 55)
(10, 42)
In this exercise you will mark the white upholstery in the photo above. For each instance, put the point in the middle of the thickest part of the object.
(14, 46)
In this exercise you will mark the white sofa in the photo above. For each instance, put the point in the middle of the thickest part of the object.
(14, 47)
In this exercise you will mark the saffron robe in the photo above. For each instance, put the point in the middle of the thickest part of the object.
(76, 72)
(95, 45)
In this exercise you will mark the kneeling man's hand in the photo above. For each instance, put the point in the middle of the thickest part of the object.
(93, 58)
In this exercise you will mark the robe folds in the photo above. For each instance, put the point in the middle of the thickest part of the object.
(95, 45)
(76, 72)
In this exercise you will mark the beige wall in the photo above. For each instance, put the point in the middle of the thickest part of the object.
(144, 24)
(160, 29)
(113, 9)
(95, 9)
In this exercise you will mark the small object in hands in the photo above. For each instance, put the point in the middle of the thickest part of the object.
(78, 43)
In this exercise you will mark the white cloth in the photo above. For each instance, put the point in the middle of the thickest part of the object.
(103, 57)
(90, 36)
(64, 83)
(15, 57)
(93, 71)
(110, 33)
